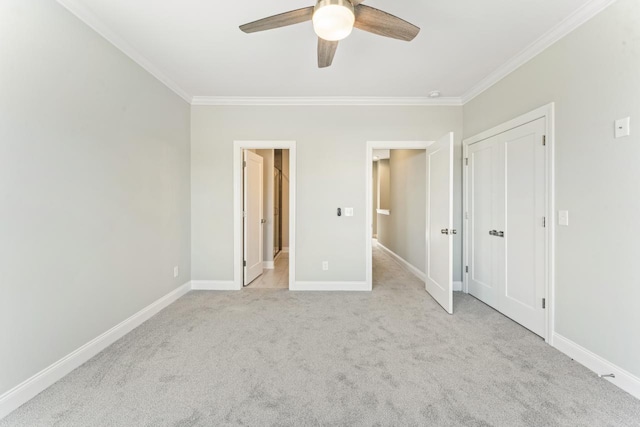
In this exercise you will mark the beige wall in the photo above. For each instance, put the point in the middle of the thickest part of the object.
(593, 76)
(384, 184)
(404, 230)
(331, 156)
(94, 187)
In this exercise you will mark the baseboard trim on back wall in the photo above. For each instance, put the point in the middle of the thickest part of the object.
(28, 389)
(330, 286)
(213, 285)
(623, 379)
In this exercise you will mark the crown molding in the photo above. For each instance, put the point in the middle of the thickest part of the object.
(89, 18)
(325, 101)
(573, 21)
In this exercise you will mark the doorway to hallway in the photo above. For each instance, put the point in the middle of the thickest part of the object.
(430, 225)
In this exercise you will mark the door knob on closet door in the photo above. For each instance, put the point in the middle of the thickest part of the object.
(493, 233)
(444, 231)
(500, 234)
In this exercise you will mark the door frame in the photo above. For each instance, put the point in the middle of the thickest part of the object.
(547, 112)
(238, 147)
(383, 145)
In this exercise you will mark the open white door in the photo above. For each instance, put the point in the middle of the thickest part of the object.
(253, 221)
(439, 277)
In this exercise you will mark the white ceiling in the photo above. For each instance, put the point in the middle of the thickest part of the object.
(195, 46)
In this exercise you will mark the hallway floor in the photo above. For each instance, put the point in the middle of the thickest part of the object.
(389, 274)
(276, 278)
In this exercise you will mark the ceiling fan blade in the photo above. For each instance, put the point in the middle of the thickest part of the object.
(282, 20)
(326, 51)
(384, 24)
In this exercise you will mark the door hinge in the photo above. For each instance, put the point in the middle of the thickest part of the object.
(544, 303)
(466, 161)
(466, 215)
(544, 140)
(244, 163)
(466, 269)
(244, 263)
(544, 221)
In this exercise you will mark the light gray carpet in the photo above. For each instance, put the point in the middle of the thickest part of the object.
(274, 357)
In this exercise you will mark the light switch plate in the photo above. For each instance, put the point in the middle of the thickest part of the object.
(563, 218)
(623, 127)
(348, 211)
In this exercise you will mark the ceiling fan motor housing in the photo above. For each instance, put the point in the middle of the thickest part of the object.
(333, 19)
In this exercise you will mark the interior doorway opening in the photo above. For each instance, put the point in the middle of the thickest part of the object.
(436, 236)
(399, 219)
(264, 207)
(265, 218)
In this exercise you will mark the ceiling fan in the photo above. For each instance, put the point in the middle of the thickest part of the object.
(333, 21)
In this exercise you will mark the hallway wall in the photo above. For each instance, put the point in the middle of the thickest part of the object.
(404, 230)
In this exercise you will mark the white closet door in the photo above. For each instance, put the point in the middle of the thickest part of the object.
(506, 208)
(481, 210)
(520, 217)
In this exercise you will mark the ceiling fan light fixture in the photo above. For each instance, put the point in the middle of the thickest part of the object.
(333, 19)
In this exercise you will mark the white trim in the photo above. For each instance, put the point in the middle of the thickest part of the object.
(213, 285)
(238, 146)
(90, 19)
(28, 389)
(403, 262)
(285, 250)
(573, 21)
(383, 211)
(547, 112)
(330, 286)
(368, 224)
(325, 100)
(457, 286)
(623, 379)
(268, 265)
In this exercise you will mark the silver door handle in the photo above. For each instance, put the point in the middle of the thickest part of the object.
(493, 233)
(444, 231)
(263, 221)
(500, 234)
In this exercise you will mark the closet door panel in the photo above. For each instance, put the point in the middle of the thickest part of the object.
(481, 211)
(523, 245)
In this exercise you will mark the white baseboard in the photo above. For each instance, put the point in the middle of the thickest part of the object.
(329, 286)
(625, 380)
(457, 286)
(28, 389)
(213, 285)
(269, 265)
(409, 267)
